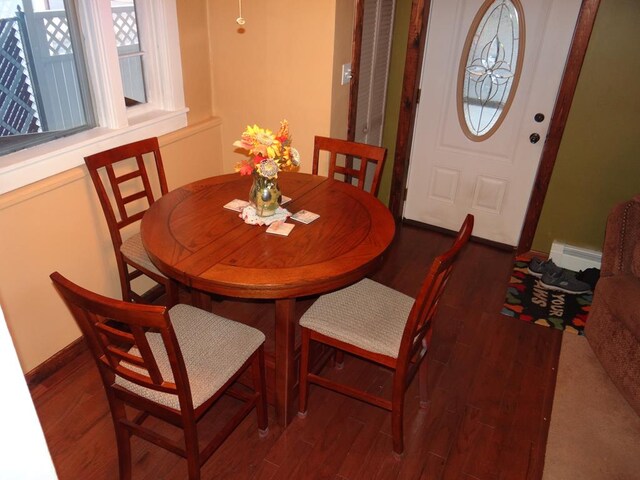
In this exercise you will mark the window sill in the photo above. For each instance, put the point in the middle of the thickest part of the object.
(42, 161)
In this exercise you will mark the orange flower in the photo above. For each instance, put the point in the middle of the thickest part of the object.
(246, 169)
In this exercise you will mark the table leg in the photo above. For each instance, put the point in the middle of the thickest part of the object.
(201, 299)
(285, 360)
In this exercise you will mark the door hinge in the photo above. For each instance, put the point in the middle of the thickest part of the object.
(406, 190)
(418, 96)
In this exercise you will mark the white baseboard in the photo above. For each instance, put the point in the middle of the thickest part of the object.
(574, 258)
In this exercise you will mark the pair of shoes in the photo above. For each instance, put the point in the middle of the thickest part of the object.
(562, 280)
(538, 267)
(590, 276)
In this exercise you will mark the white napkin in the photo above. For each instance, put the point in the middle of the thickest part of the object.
(249, 215)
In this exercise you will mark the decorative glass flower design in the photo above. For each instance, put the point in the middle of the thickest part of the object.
(490, 70)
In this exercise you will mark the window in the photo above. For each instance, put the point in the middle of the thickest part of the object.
(119, 85)
(42, 76)
(490, 67)
(130, 53)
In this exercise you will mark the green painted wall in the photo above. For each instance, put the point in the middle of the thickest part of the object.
(598, 164)
(394, 92)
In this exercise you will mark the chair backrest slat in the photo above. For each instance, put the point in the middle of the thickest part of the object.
(128, 176)
(146, 355)
(366, 153)
(425, 307)
(134, 196)
(119, 184)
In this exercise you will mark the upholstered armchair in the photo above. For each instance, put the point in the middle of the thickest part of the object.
(613, 326)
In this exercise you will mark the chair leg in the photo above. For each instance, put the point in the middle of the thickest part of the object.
(397, 416)
(339, 359)
(123, 439)
(257, 369)
(423, 374)
(192, 448)
(125, 281)
(125, 286)
(304, 370)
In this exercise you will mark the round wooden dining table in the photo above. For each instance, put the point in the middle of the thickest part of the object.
(192, 238)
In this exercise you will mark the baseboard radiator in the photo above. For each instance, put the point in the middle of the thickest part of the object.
(574, 258)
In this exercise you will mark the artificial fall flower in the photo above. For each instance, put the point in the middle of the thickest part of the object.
(245, 169)
(265, 137)
(268, 168)
(268, 153)
(295, 157)
(283, 133)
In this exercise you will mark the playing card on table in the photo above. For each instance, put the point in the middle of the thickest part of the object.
(284, 199)
(280, 228)
(305, 216)
(236, 205)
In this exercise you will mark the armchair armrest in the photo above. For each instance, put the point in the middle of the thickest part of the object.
(621, 236)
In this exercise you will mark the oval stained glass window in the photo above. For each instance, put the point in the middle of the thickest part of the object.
(490, 67)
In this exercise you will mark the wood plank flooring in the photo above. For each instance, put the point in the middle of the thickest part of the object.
(491, 382)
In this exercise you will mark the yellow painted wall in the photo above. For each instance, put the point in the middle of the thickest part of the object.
(343, 46)
(194, 47)
(598, 164)
(281, 66)
(57, 224)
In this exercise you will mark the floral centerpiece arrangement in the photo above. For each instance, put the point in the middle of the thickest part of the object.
(268, 154)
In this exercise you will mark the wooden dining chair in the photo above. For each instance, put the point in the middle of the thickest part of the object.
(170, 364)
(130, 191)
(384, 326)
(361, 152)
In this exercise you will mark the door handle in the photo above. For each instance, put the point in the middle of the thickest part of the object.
(534, 138)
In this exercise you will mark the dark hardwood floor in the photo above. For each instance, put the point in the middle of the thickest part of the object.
(491, 383)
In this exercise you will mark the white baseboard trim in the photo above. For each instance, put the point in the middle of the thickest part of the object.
(574, 258)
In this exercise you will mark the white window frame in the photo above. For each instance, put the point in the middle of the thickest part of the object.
(163, 113)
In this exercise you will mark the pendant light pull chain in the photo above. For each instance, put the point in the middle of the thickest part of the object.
(240, 20)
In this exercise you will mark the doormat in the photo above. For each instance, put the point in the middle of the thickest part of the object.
(527, 300)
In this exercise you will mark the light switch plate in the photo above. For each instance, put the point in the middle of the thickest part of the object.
(346, 73)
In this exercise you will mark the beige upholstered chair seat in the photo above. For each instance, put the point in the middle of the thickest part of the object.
(367, 315)
(214, 348)
(133, 250)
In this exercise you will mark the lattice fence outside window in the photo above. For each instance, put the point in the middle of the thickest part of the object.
(7, 10)
(125, 26)
(59, 39)
(58, 35)
(18, 108)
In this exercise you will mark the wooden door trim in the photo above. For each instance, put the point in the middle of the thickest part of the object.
(354, 83)
(417, 37)
(420, 10)
(579, 44)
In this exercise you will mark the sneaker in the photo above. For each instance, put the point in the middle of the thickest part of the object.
(538, 267)
(562, 280)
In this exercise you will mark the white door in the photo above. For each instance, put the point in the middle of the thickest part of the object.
(456, 167)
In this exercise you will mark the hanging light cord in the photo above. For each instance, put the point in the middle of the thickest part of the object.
(240, 20)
